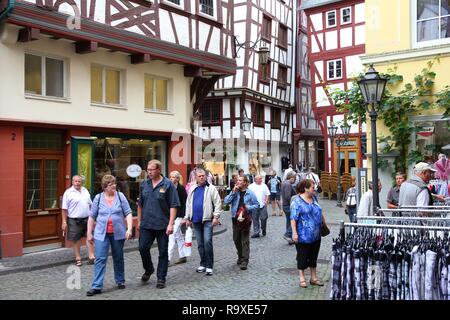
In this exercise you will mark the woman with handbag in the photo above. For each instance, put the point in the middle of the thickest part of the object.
(308, 224)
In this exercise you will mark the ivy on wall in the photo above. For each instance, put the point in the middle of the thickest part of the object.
(395, 110)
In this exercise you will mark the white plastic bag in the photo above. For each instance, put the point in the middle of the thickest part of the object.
(188, 242)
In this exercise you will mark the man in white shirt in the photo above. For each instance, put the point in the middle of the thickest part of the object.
(76, 205)
(262, 194)
(365, 207)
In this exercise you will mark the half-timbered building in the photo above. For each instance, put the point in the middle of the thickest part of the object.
(97, 86)
(261, 90)
(336, 36)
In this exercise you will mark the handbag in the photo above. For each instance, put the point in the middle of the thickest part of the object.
(324, 230)
(319, 189)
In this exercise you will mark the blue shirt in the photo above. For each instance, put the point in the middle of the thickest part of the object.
(249, 200)
(197, 204)
(101, 213)
(308, 218)
(156, 203)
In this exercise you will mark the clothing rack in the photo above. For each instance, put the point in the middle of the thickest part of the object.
(424, 207)
(415, 210)
(403, 218)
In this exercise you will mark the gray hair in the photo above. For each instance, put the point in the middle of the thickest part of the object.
(199, 170)
(290, 174)
(176, 174)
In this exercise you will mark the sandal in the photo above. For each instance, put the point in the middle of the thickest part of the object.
(78, 263)
(91, 261)
(316, 282)
(303, 284)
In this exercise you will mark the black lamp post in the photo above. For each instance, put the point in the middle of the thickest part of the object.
(332, 133)
(372, 87)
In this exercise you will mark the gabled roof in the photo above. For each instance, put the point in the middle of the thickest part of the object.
(308, 4)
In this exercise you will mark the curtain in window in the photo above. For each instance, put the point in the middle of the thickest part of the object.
(148, 93)
(112, 86)
(33, 74)
(54, 77)
(96, 84)
(161, 94)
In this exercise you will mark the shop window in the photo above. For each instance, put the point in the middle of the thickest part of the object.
(207, 7)
(43, 140)
(276, 118)
(282, 76)
(258, 115)
(211, 112)
(266, 32)
(264, 72)
(113, 155)
(106, 85)
(432, 21)
(282, 36)
(335, 69)
(156, 93)
(44, 76)
(346, 15)
(331, 19)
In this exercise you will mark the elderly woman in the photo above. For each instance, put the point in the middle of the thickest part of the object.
(109, 209)
(306, 220)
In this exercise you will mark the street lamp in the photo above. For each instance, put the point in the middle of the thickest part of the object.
(246, 122)
(343, 137)
(263, 50)
(372, 87)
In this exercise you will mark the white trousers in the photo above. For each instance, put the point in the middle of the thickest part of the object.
(176, 239)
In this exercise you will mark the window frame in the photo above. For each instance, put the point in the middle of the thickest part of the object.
(207, 15)
(168, 94)
(121, 103)
(261, 123)
(283, 83)
(328, 69)
(266, 21)
(276, 122)
(335, 19)
(207, 104)
(342, 15)
(170, 3)
(283, 45)
(262, 78)
(43, 94)
(414, 29)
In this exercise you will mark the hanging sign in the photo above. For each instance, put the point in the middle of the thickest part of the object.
(134, 170)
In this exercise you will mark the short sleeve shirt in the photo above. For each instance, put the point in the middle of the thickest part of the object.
(77, 203)
(308, 218)
(394, 195)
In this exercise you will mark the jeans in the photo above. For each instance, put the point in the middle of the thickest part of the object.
(101, 258)
(176, 239)
(204, 235)
(352, 214)
(287, 214)
(259, 215)
(146, 239)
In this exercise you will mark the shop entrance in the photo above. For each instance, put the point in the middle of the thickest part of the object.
(44, 187)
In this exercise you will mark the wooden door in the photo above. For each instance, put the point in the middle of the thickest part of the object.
(44, 187)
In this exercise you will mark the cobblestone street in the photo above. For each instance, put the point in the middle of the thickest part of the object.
(272, 272)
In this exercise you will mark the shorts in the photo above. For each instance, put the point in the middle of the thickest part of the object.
(307, 254)
(77, 228)
(274, 196)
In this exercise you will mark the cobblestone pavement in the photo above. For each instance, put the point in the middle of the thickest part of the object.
(272, 272)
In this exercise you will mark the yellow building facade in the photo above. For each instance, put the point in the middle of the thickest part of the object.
(404, 35)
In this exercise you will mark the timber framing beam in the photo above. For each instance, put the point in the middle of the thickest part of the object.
(193, 71)
(140, 58)
(83, 47)
(203, 88)
(28, 34)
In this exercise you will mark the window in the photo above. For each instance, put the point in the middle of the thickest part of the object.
(282, 76)
(331, 19)
(346, 15)
(335, 69)
(264, 72)
(282, 36)
(433, 20)
(275, 118)
(258, 115)
(156, 93)
(44, 76)
(106, 85)
(211, 112)
(266, 32)
(177, 2)
(207, 7)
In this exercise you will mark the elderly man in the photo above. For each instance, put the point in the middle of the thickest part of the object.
(76, 206)
(415, 191)
(203, 209)
(262, 193)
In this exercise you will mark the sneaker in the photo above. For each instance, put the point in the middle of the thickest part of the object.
(160, 284)
(181, 260)
(121, 286)
(201, 269)
(146, 276)
(92, 292)
(243, 266)
(256, 235)
(264, 233)
(209, 271)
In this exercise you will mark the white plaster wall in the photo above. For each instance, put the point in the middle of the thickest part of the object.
(317, 22)
(216, 132)
(346, 37)
(226, 108)
(321, 97)
(240, 13)
(182, 25)
(331, 40)
(360, 34)
(214, 44)
(226, 129)
(78, 109)
(258, 133)
(203, 35)
(167, 34)
(319, 68)
(354, 66)
(360, 13)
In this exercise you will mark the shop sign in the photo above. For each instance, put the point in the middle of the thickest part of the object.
(134, 170)
(348, 143)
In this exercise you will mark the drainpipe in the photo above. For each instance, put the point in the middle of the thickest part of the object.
(8, 9)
